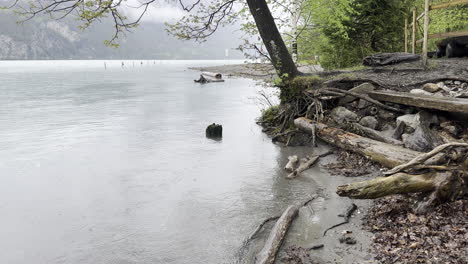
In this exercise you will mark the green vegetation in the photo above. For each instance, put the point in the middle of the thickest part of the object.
(345, 31)
(269, 114)
(296, 86)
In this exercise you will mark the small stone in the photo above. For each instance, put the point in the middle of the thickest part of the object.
(457, 82)
(464, 86)
(341, 114)
(431, 87)
(420, 92)
(369, 121)
(440, 84)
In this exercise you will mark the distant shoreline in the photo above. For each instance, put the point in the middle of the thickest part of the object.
(256, 71)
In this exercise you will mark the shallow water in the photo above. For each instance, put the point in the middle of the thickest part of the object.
(112, 166)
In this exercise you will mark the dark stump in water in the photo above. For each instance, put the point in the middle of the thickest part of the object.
(214, 131)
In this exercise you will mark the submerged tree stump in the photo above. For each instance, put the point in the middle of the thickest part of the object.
(214, 131)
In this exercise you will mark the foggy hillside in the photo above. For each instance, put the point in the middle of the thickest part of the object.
(43, 38)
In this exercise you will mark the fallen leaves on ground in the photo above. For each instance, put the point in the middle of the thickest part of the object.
(400, 236)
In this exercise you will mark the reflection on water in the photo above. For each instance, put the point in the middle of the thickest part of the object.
(112, 166)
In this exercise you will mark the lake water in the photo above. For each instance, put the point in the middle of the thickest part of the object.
(112, 165)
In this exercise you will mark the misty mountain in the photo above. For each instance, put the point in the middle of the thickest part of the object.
(43, 38)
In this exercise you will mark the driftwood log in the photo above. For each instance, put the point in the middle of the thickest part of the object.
(306, 164)
(439, 186)
(291, 163)
(268, 254)
(386, 154)
(449, 104)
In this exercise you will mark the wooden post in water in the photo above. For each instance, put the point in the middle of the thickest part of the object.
(413, 41)
(426, 31)
(406, 35)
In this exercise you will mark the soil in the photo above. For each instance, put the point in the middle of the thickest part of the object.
(404, 76)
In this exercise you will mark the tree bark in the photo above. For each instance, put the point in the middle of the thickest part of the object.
(279, 54)
(399, 183)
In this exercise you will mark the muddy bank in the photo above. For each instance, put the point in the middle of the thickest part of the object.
(305, 241)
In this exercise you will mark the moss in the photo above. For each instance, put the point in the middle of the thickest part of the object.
(296, 86)
(269, 114)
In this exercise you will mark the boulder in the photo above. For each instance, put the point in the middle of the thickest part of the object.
(341, 114)
(214, 131)
(431, 87)
(369, 121)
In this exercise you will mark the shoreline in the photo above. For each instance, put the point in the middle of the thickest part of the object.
(379, 239)
(303, 233)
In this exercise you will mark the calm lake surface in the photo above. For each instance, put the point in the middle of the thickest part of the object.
(112, 166)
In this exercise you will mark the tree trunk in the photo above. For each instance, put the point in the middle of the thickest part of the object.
(279, 54)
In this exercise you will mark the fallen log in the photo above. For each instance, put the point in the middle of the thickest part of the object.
(386, 154)
(215, 75)
(425, 156)
(268, 254)
(291, 163)
(449, 104)
(439, 186)
(400, 183)
(306, 165)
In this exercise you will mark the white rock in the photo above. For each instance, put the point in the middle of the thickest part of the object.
(420, 91)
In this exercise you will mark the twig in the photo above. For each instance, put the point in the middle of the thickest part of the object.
(347, 216)
(315, 247)
(423, 157)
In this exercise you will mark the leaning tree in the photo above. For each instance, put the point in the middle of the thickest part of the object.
(204, 18)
